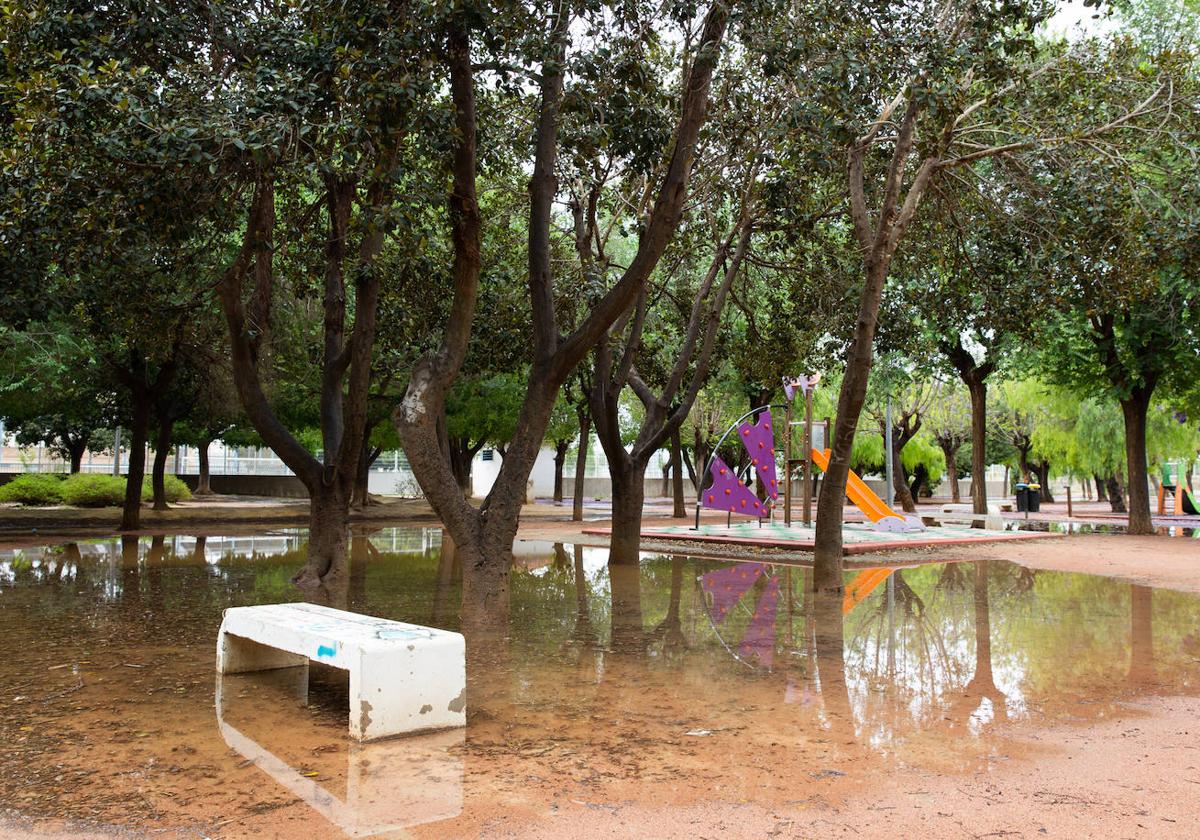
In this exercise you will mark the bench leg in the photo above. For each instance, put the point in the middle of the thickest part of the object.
(237, 655)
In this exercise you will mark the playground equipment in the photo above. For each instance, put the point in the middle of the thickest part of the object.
(873, 507)
(730, 492)
(1184, 503)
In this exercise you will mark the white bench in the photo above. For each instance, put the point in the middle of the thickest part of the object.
(993, 507)
(992, 519)
(403, 677)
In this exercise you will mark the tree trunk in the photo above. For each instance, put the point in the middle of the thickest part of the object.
(1043, 474)
(585, 436)
(162, 448)
(680, 510)
(462, 457)
(131, 514)
(831, 504)
(1101, 488)
(920, 476)
(1023, 463)
(1116, 495)
(485, 592)
(325, 571)
(76, 448)
(361, 495)
(560, 459)
(904, 494)
(203, 486)
(951, 471)
(977, 387)
(629, 490)
(1134, 410)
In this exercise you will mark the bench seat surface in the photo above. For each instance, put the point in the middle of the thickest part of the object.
(403, 677)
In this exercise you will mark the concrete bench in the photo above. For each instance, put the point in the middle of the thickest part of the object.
(993, 508)
(403, 677)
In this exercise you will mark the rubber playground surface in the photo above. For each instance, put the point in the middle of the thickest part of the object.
(856, 538)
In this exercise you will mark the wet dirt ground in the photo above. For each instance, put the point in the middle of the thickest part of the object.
(685, 697)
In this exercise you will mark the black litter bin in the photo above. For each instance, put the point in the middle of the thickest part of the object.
(1022, 498)
(1033, 497)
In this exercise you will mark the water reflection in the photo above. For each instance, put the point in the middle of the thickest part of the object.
(363, 789)
(671, 680)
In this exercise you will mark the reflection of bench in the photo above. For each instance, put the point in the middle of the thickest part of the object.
(364, 789)
(403, 677)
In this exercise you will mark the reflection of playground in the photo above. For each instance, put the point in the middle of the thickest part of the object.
(363, 789)
(901, 658)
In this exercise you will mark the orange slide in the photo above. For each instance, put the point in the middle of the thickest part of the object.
(857, 491)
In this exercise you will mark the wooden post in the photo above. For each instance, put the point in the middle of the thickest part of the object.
(808, 457)
(1070, 509)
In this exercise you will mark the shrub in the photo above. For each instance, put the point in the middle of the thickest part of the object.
(90, 490)
(33, 489)
(172, 484)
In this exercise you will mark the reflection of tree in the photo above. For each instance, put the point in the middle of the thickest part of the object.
(561, 563)
(952, 578)
(669, 631)
(198, 550)
(912, 603)
(625, 589)
(360, 550)
(72, 557)
(1141, 635)
(584, 633)
(448, 570)
(131, 581)
(154, 563)
(982, 684)
(829, 645)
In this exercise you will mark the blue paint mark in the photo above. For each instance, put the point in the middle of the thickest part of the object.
(326, 651)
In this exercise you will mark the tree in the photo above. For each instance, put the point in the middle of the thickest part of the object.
(664, 359)
(484, 535)
(955, 82)
(562, 431)
(910, 400)
(948, 421)
(1122, 249)
(61, 395)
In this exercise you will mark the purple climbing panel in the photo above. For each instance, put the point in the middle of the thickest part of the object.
(727, 492)
(759, 440)
(727, 586)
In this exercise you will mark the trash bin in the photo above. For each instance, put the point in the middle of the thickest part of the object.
(1022, 498)
(1033, 497)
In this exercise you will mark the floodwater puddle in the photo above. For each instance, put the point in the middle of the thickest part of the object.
(676, 681)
